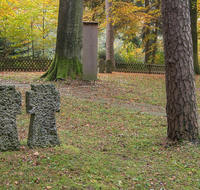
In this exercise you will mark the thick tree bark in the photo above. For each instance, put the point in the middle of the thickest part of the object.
(109, 33)
(193, 18)
(68, 56)
(180, 80)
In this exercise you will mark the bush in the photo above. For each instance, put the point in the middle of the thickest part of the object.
(119, 58)
(102, 54)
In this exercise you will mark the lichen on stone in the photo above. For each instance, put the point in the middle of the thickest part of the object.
(42, 102)
(10, 107)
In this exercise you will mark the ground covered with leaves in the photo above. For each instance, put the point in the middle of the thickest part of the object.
(113, 136)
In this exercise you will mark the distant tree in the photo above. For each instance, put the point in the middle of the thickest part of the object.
(94, 10)
(109, 33)
(147, 36)
(154, 48)
(182, 115)
(193, 17)
(1, 47)
(68, 58)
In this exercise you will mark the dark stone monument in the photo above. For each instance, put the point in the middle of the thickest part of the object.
(108, 66)
(42, 102)
(10, 106)
(101, 66)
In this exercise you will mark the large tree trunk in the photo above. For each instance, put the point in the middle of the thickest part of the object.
(109, 33)
(68, 55)
(180, 80)
(193, 18)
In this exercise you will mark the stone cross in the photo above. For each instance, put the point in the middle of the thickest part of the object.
(10, 106)
(42, 102)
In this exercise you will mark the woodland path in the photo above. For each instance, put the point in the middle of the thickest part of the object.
(89, 92)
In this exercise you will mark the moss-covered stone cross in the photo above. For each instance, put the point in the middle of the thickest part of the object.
(42, 102)
(10, 106)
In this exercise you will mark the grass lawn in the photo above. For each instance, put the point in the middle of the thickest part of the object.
(104, 144)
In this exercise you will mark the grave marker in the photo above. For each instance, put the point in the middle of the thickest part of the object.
(10, 106)
(90, 43)
(108, 66)
(42, 102)
(101, 66)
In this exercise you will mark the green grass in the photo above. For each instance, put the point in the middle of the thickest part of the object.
(103, 146)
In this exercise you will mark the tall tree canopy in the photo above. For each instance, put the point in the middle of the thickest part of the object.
(67, 60)
(182, 116)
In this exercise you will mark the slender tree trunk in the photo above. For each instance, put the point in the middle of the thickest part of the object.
(43, 37)
(156, 35)
(182, 116)
(32, 41)
(5, 48)
(147, 35)
(68, 56)
(193, 17)
(155, 43)
(109, 33)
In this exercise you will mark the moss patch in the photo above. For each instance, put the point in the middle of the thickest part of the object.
(62, 67)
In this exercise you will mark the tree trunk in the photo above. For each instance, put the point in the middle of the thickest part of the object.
(68, 56)
(182, 116)
(156, 34)
(147, 35)
(32, 41)
(109, 33)
(193, 18)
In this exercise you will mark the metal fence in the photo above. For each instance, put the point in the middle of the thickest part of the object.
(31, 65)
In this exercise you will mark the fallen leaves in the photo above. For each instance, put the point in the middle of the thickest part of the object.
(36, 154)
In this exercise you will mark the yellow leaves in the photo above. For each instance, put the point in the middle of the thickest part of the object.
(16, 18)
(128, 52)
(6, 9)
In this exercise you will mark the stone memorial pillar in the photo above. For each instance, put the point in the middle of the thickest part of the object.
(42, 102)
(90, 42)
(10, 106)
(108, 66)
(101, 66)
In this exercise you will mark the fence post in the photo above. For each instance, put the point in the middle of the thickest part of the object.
(150, 68)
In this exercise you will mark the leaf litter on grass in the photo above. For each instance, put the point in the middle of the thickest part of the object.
(104, 144)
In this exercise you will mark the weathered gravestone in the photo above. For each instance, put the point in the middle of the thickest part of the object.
(10, 106)
(101, 66)
(42, 102)
(108, 66)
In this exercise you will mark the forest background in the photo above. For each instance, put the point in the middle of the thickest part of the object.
(28, 28)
